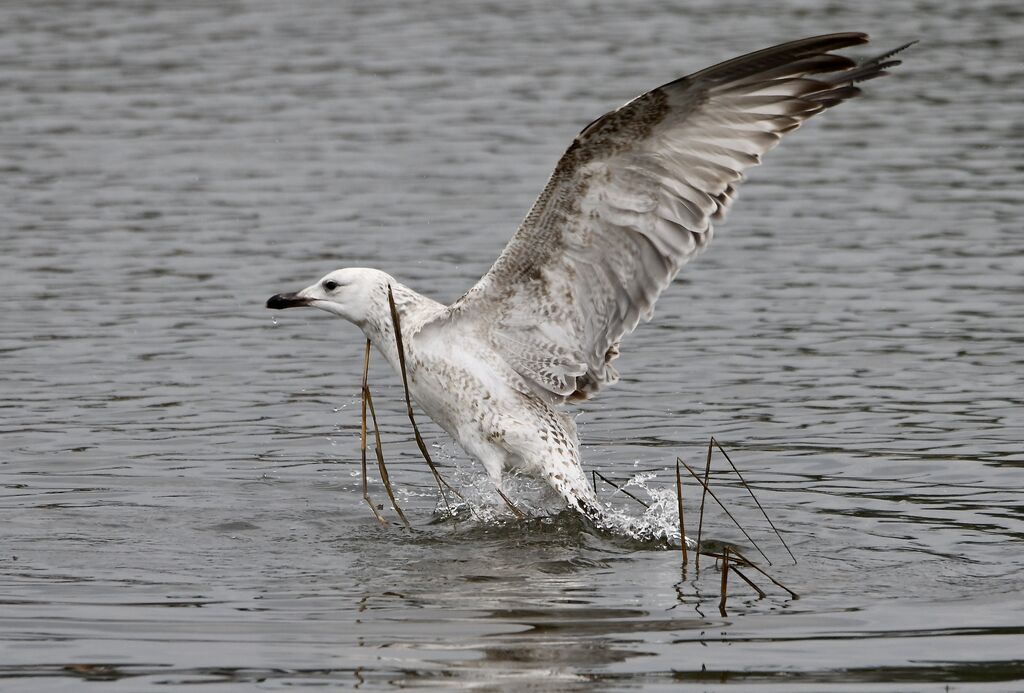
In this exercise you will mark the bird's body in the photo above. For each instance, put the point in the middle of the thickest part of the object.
(632, 199)
(469, 390)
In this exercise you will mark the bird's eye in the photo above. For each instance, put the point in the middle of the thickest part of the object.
(330, 285)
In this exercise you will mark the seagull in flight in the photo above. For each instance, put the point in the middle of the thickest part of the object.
(633, 198)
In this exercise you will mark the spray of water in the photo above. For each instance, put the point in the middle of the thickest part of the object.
(659, 523)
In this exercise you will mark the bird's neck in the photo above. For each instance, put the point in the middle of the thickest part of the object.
(414, 309)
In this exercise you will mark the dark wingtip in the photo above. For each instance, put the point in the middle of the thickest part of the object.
(869, 68)
(282, 301)
(894, 51)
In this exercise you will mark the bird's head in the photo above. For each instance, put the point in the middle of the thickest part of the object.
(348, 292)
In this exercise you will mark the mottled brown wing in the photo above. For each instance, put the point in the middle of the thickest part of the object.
(633, 199)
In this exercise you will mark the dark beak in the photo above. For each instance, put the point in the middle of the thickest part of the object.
(282, 301)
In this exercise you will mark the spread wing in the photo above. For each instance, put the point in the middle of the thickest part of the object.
(633, 199)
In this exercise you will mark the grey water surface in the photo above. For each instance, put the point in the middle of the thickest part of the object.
(179, 494)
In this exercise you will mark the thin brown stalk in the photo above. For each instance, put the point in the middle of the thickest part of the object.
(722, 505)
(362, 440)
(734, 558)
(725, 582)
(703, 496)
(679, 508)
(510, 504)
(760, 592)
(619, 488)
(379, 449)
(793, 594)
(396, 321)
(751, 492)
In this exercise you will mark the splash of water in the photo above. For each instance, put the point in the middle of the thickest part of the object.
(481, 504)
(659, 522)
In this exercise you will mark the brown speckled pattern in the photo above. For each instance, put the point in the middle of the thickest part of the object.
(476, 397)
(632, 200)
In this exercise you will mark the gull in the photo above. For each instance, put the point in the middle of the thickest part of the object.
(632, 199)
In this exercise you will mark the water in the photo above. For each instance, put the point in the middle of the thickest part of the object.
(178, 499)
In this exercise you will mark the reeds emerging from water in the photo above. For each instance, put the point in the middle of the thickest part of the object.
(730, 556)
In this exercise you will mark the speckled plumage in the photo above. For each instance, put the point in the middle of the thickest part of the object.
(632, 199)
(469, 390)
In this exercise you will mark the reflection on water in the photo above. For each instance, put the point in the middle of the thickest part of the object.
(178, 476)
